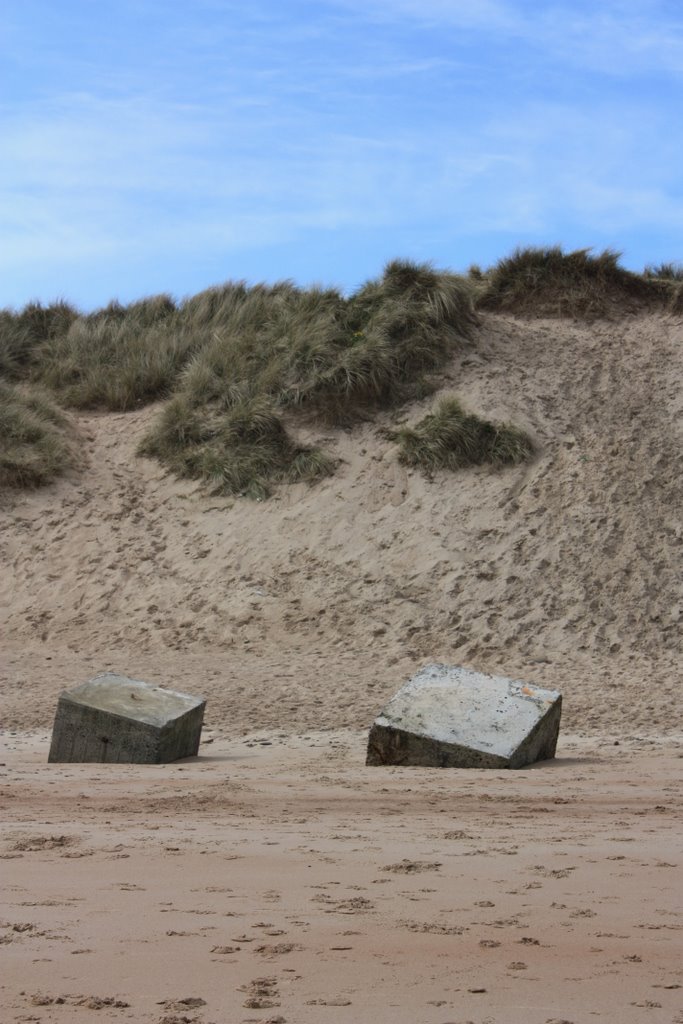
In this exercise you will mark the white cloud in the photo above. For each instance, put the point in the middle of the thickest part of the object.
(615, 38)
(491, 15)
(610, 207)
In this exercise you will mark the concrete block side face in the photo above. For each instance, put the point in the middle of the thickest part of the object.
(83, 734)
(390, 746)
(541, 743)
(180, 738)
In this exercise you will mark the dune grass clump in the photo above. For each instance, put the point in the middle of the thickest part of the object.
(239, 447)
(281, 351)
(670, 276)
(336, 357)
(23, 333)
(306, 349)
(34, 444)
(237, 363)
(224, 423)
(550, 282)
(116, 358)
(665, 271)
(389, 336)
(450, 438)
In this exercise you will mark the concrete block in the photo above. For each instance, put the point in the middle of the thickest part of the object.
(448, 717)
(113, 718)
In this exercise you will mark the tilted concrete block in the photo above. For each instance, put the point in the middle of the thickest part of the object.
(448, 717)
(113, 718)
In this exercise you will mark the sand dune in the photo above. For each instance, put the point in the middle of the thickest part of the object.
(306, 610)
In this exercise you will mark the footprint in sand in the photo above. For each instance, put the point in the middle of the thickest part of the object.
(278, 949)
(412, 867)
(262, 993)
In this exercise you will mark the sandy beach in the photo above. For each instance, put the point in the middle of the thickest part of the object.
(277, 879)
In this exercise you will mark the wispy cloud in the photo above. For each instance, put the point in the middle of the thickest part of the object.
(489, 14)
(612, 37)
(615, 38)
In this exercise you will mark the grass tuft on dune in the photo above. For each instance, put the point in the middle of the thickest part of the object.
(34, 442)
(536, 282)
(23, 335)
(676, 305)
(240, 448)
(451, 438)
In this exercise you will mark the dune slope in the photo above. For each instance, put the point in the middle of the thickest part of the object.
(308, 610)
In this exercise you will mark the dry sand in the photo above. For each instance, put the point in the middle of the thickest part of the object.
(294, 883)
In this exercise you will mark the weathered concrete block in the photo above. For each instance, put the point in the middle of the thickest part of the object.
(113, 718)
(447, 717)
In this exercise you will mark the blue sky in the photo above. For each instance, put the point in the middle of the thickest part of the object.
(154, 145)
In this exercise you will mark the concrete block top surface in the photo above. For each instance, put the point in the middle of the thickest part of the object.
(470, 709)
(131, 698)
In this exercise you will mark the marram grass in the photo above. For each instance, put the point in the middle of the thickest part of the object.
(240, 365)
(118, 358)
(34, 444)
(23, 334)
(271, 352)
(450, 438)
(241, 449)
(549, 282)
